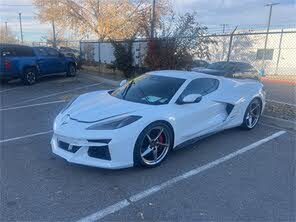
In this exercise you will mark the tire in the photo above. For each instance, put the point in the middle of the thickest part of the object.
(159, 143)
(30, 76)
(71, 71)
(252, 114)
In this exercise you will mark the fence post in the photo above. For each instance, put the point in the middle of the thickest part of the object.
(230, 44)
(99, 52)
(279, 54)
(80, 50)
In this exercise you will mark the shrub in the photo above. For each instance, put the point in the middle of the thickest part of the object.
(123, 57)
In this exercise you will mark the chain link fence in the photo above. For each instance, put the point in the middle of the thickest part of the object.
(277, 59)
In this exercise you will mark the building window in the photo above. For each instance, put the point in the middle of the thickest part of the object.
(268, 54)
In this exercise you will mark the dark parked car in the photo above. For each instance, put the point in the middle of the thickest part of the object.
(199, 63)
(30, 63)
(231, 70)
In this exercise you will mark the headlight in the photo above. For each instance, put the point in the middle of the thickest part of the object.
(114, 123)
(69, 104)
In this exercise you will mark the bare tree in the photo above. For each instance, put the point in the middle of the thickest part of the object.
(6, 35)
(177, 42)
(105, 19)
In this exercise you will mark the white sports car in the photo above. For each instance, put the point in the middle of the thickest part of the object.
(140, 122)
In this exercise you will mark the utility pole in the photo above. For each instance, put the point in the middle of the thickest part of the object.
(270, 5)
(54, 43)
(6, 29)
(21, 28)
(152, 20)
(223, 27)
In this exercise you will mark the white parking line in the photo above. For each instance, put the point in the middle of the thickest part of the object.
(132, 199)
(14, 88)
(32, 105)
(55, 94)
(24, 137)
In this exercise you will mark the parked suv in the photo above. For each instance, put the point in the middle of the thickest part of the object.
(30, 63)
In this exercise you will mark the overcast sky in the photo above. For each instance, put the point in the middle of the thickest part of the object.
(212, 13)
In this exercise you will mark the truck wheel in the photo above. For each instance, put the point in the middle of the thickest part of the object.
(71, 70)
(29, 76)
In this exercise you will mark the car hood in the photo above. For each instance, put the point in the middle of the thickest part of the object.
(96, 106)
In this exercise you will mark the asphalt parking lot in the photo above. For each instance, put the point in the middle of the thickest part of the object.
(234, 175)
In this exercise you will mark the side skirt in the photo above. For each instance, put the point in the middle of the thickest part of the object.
(194, 140)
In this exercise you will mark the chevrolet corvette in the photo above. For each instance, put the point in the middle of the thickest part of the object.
(141, 121)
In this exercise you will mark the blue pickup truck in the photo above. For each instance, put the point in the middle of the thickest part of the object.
(30, 63)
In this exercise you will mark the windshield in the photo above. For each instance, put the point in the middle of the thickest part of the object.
(149, 89)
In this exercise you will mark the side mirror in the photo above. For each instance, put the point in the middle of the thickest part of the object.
(123, 82)
(191, 98)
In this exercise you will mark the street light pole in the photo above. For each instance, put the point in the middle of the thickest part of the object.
(21, 28)
(270, 5)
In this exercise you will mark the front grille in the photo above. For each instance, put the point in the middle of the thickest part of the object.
(66, 146)
(100, 152)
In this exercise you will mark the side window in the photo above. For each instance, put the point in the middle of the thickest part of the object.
(41, 51)
(24, 51)
(52, 52)
(202, 86)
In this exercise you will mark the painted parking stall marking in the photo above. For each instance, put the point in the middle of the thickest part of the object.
(33, 105)
(26, 136)
(139, 196)
(54, 94)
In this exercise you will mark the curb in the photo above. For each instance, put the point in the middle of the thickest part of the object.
(282, 123)
(289, 82)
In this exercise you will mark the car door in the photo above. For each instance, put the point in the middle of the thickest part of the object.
(43, 61)
(207, 115)
(57, 61)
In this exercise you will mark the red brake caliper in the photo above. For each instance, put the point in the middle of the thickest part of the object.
(160, 138)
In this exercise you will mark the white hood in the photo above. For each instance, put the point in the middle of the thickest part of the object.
(95, 106)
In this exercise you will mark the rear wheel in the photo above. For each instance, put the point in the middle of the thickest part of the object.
(252, 114)
(29, 76)
(153, 145)
(71, 70)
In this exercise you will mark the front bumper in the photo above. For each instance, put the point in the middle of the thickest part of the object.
(109, 154)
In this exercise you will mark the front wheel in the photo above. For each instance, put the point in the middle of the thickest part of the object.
(153, 145)
(252, 114)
